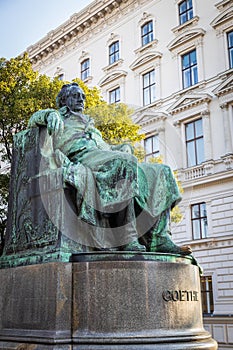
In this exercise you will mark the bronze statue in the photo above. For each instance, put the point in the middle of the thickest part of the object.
(128, 203)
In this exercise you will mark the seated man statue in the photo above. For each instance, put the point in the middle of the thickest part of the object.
(124, 204)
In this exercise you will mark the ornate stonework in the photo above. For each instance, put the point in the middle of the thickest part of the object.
(77, 29)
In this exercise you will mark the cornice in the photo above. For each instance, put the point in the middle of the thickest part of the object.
(226, 87)
(185, 26)
(152, 121)
(191, 35)
(189, 101)
(223, 20)
(114, 75)
(211, 242)
(222, 5)
(70, 31)
(147, 57)
(149, 116)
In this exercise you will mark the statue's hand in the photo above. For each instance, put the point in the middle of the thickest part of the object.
(54, 123)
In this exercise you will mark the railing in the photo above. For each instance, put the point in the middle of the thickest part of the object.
(194, 173)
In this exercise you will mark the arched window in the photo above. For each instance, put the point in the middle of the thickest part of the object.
(114, 53)
(230, 48)
(147, 34)
(185, 11)
(85, 69)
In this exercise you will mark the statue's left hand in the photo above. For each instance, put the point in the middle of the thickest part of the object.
(54, 123)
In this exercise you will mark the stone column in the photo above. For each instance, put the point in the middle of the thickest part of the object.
(207, 135)
(227, 128)
(182, 150)
(162, 143)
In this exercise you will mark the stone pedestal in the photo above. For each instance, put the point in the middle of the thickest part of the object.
(104, 301)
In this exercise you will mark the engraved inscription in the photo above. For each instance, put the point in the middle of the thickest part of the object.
(180, 295)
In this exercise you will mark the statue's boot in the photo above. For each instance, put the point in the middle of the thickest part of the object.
(160, 238)
(134, 246)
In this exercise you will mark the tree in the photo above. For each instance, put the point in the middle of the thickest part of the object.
(22, 92)
(115, 123)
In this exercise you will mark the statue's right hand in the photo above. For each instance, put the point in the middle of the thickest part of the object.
(54, 123)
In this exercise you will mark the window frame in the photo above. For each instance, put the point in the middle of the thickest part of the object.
(207, 297)
(85, 71)
(192, 69)
(149, 87)
(154, 152)
(195, 141)
(202, 221)
(148, 36)
(230, 49)
(188, 12)
(114, 92)
(115, 55)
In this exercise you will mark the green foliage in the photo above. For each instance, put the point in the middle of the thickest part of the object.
(115, 123)
(158, 159)
(22, 92)
(139, 152)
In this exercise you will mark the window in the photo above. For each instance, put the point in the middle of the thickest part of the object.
(189, 69)
(185, 11)
(207, 295)
(85, 69)
(199, 220)
(114, 52)
(148, 88)
(114, 95)
(194, 142)
(147, 33)
(230, 48)
(151, 146)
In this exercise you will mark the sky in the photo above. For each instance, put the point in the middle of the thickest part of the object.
(24, 22)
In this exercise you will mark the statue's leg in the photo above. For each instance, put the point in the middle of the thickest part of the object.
(123, 223)
(160, 237)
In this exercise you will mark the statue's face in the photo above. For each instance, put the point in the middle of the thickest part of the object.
(75, 100)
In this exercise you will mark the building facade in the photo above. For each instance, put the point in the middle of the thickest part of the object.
(172, 60)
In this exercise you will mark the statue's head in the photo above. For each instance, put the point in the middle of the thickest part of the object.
(72, 96)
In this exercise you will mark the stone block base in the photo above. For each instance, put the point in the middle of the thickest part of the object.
(103, 301)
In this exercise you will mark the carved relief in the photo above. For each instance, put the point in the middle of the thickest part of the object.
(194, 36)
(189, 101)
(151, 56)
(115, 75)
(31, 227)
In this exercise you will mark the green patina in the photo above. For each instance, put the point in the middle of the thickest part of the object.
(118, 203)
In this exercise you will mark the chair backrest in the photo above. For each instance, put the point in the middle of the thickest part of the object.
(37, 210)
